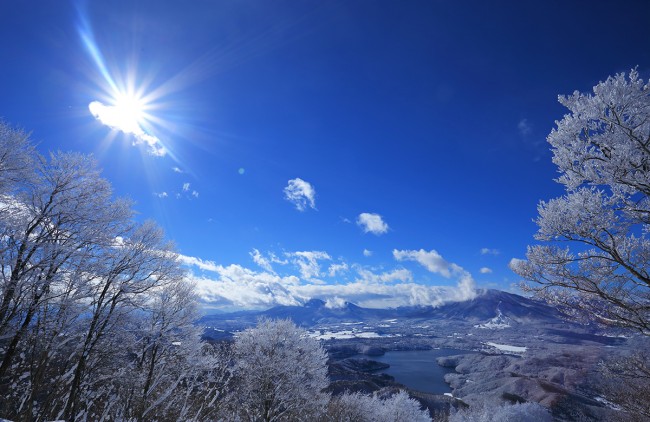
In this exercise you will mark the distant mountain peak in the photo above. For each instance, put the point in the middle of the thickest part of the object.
(314, 303)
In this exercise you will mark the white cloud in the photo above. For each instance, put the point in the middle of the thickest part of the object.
(485, 270)
(516, 262)
(335, 269)
(186, 187)
(235, 286)
(372, 223)
(238, 287)
(195, 194)
(307, 262)
(260, 260)
(488, 251)
(274, 259)
(198, 262)
(400, 274)
(241, 287)
(367, 253)
(335, 303)
(435, 263)
(177, 170)
(117, 119)
(382, 295)
(301, 193)
(430, 260)
(524, 127)
(161, 194)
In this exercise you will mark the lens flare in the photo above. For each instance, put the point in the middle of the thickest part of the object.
(124, 105)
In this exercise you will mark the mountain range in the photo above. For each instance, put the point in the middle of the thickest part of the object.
(487, 305)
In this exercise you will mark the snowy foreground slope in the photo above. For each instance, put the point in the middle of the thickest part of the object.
(526, 350)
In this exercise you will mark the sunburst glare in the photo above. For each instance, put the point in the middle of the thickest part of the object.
(124, 105)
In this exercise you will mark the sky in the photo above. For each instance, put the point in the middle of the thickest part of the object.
(386, 153)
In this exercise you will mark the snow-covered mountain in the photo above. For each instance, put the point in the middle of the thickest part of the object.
(492, 308)
(489, 304)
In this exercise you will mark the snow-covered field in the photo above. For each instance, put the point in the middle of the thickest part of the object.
(346, 334)
(508, 348)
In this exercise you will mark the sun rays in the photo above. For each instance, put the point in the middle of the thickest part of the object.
(124, 105)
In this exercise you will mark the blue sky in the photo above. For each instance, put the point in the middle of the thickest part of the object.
(384, 152)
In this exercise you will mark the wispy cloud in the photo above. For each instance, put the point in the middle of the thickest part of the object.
(161, 194)
(399, 274)
(488, 251)
(186, 187)
(177, 170)
(199, 263)
(485, 270)
(372, 223)
(301, 194)
(367, 253)
(335, 269)
(307, 262)
(524, 127)
(534, 143)
(195, 194)
(260, 260)
(116, 119)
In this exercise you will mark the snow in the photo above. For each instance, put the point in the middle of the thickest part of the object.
(507, 347)
(491, 325)
(346, 334)
(499, 322)
(607, 403)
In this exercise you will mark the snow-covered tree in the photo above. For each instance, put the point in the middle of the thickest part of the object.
(280, 374)
(118, 286)
(96, 320)
(16, 157)
(595, 261)
(626, 382)
(53, 224)
(358, 407)
(170, 366)
(486, 412)
(50, 224)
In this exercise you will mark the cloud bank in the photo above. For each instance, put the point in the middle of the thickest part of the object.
(235, 286)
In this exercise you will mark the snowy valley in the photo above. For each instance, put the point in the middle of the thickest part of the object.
(517, 349)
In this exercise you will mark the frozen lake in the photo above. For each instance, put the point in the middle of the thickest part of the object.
(418, 369)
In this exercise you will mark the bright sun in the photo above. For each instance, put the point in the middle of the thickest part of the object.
(129, 112)
(125, 106)
(125, 113)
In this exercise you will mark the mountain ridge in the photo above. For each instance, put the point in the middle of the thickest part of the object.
(487, 305)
